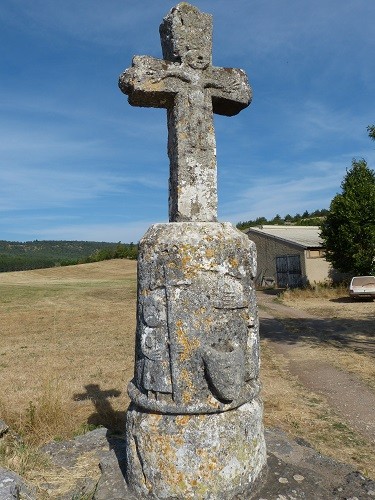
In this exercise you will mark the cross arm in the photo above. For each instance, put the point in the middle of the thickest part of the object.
(146, 83)
(230, 90)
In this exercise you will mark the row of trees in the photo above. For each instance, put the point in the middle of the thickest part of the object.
(24, 263)
(120, 251)
(306, 219)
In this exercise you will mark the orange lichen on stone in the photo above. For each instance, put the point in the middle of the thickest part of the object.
(156, 417)
(186, 260)
(186, 378)
(182, 419)
(214, 403)
(233, 262)
(154, 86)
(208, 462)
(188, 346)
(167, 445)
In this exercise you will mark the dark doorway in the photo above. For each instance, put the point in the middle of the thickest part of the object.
(288, 270)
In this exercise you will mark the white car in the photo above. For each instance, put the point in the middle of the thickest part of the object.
(362, 286)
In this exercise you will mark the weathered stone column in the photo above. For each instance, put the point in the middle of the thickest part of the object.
(194, 427)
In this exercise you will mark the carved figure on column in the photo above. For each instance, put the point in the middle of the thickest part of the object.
(197, 328)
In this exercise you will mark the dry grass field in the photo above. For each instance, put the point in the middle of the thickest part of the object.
(67, 341)
(66, 355)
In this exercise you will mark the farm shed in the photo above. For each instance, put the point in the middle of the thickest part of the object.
(289, 255)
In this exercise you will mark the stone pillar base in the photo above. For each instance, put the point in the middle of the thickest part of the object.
(208, 456)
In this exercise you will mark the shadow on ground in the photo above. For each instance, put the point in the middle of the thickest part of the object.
(104, 415)
(271, 291)
(107, 417)
(348, 300)
(358, 335)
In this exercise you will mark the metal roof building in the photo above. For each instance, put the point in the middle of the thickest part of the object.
(289, 256)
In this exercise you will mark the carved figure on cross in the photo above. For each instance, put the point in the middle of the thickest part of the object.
(191, 89)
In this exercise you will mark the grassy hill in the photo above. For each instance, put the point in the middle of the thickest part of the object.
(17, 256)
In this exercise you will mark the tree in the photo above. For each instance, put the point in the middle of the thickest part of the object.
(277, 220)
(371, 131)
(260, 221)
(348, 231)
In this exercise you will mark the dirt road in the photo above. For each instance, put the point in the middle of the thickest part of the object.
(295, 334)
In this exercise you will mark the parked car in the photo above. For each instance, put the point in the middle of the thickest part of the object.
(362, 286)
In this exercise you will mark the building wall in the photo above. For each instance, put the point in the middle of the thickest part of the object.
(268, 249)
(317, 269)
(314, 267)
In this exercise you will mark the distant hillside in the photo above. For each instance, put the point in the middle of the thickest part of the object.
(18, 256)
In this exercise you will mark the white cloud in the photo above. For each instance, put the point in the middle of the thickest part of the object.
(39, 188)
(312, 189)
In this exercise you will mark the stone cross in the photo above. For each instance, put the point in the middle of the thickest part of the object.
(194, 426)
(191, 89)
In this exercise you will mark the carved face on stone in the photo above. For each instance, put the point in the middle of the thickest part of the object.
(153, 336)
(153, 310)
(196, 59)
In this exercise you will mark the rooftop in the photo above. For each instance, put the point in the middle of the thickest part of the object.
(306, 236)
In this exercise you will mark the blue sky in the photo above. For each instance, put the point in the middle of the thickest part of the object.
(78, 162)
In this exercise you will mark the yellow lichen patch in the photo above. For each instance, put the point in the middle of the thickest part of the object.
(200, 322)
(166, 447)
(187, 394)
(210, 253)
(245, 315)
(155, 85)
(208, 321)
(188, 346)
(156, 418)
(182, 419)
(208, 462)
(189, 260)
(186, 397)
(233, 262)
(176, 480)
(166, 458)
(214, 403)
(186, 260)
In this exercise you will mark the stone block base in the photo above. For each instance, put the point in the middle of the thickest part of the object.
(207, 456)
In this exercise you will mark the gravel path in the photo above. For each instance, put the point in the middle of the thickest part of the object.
(346, 394)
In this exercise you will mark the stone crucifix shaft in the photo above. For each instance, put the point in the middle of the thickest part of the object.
(191, 89)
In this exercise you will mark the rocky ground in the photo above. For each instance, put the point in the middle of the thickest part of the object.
(295, 471)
